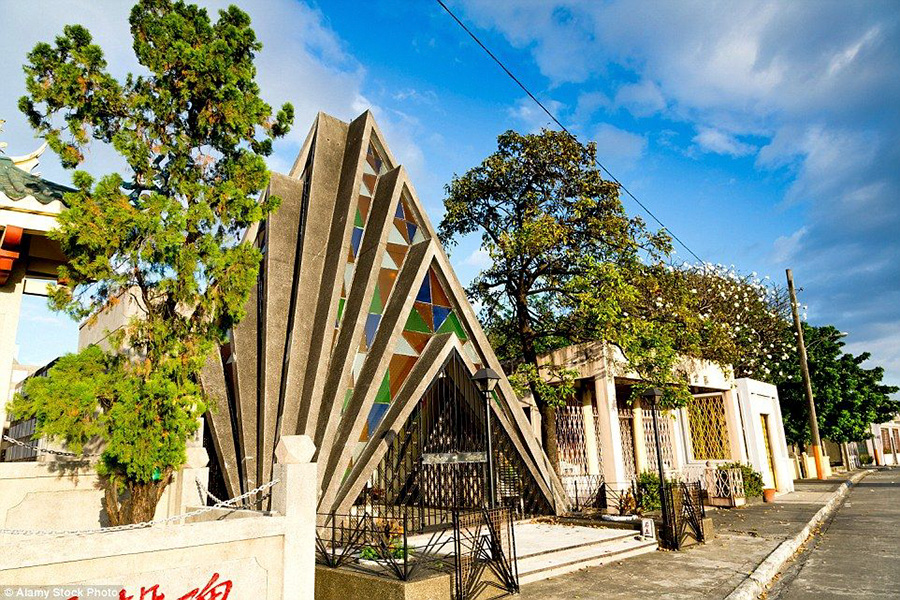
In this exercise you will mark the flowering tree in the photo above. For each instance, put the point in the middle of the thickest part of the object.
(744, 319)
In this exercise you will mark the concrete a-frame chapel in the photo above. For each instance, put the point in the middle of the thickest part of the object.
(360, 336)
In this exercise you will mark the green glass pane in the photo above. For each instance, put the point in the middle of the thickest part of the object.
(384, 392)
(358, 222)
(347, 397)
(375, 307)
(341, 303)
(415, 322)
(451, 325)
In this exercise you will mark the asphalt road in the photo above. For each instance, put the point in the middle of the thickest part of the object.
(858, 553)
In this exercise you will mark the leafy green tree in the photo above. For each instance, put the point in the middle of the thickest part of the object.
(194, 133)
(566, 260)
(848, 396)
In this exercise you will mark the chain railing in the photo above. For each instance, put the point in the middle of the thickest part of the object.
(40, 450)
(103, 530)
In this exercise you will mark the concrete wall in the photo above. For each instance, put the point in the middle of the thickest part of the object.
(757, 399)
(270, 557)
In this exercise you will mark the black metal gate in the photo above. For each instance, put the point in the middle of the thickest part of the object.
(683, 514)
(436, 463)
(485, 554)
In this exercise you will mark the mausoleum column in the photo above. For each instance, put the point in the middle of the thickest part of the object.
(610, 438)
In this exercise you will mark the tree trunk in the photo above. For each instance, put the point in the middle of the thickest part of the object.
(548, 434)
(137, 504)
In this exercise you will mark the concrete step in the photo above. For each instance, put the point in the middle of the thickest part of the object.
(544, 565)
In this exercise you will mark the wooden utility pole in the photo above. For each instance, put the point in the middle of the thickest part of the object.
(816, 445)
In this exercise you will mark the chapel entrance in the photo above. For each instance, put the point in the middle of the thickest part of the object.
(437, 462)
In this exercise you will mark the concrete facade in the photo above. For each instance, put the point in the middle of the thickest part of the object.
(356, 310)
(885, 442)
(616, 430)
(29, 206)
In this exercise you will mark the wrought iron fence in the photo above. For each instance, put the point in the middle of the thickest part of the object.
(478, 549)
(584, 491)
(683, 514)
(381, 545)
(485, 565)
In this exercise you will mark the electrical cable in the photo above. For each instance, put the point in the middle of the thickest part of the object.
(564, 128)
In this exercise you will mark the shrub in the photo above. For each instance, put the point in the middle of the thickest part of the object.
(753, 481)
(648, 491)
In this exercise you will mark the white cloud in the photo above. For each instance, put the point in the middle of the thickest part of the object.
(813, 85)
(532, 116)
(618, 149)
(786, 246)
(641, 99)
(719, 142)
(479, 259)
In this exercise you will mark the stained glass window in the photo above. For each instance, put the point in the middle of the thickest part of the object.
(432, 313)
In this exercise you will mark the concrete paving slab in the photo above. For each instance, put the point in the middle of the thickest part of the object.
(745, 537)
(538, 538)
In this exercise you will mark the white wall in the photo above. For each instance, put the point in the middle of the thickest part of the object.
(271, 557)
(756, 398)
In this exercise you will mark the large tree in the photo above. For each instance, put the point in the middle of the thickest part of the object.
(565, 260)
(848, 396)
(193, 132)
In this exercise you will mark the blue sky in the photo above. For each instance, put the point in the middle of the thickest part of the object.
(762, 134)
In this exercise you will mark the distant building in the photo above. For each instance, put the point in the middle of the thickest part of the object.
(29, 206)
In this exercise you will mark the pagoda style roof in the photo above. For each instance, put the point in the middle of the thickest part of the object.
(17, 184)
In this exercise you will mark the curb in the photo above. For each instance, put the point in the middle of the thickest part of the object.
(760, 578)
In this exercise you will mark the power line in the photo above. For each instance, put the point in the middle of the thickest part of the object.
(564, 128)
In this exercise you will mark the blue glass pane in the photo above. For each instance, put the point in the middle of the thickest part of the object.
(400, 214)
(356, 240)
(372, 322)
(440, 313)
(376, 415)
(425, 291)
(411, 230)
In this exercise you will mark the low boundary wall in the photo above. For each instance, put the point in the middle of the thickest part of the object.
(271, 557)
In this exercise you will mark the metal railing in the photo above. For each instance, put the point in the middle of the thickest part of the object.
(477, 549)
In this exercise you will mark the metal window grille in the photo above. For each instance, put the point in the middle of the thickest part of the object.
(570, 438)
(449, 418)
(626, 420)
(886, 441)
(664, 421)
(708, 427)
(22, 430)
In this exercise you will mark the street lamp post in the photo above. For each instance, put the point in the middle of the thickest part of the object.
(486, 380)
(653, 395)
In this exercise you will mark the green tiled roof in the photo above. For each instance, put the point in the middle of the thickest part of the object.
(17, 184)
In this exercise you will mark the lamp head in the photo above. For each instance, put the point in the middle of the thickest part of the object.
(653, 395)
(486, 379)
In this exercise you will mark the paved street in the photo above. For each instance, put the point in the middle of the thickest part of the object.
(858, 554)
(744, 537)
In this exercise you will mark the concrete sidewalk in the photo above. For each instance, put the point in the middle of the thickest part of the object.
(744, 537)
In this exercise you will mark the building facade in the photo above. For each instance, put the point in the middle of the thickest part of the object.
(603, 431)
